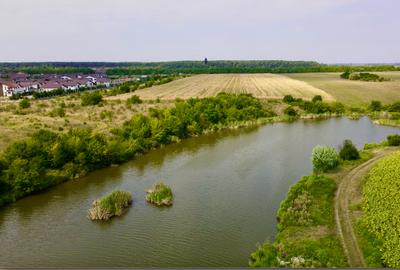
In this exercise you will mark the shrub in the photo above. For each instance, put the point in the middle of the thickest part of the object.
(91, 99)
(395, 107)
(160, 195)
(316, 98)
(290, 111)
(375, 106)
(24, 103)
(288, 99)
(60, 112)
(348, 151)
(110, 205)
(393, 140)
(134, 100)
(324, 158)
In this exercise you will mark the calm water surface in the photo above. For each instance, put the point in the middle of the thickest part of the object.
(227, 188)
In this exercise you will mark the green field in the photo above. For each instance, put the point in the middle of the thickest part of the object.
(354, 92)
(380, 224)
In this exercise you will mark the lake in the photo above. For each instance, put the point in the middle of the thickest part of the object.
(227, 187)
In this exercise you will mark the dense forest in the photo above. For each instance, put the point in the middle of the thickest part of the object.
(188, 67)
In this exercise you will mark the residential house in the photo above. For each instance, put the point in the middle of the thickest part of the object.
(48, 86)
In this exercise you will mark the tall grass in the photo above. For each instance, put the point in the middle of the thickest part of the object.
(110, 205)
(160, 195)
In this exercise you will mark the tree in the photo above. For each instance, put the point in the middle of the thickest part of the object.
(288, 99)
(348, 151)
(317, 98)
(324, 158)
(375, 106)
(290, 111)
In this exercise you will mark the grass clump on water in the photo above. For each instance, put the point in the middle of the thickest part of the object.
(160, 194)
(111, 205)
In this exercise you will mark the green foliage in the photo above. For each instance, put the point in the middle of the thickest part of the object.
(160, 194)
(309, 203)
(348, 151)
(288, 99)
(92, 98)
(290, 111)
(111, 205)
(395, 107)
(393, 140)
(345, 75)
(47, 158)
(370, 246)
(381, 206)
(59, 111)
(362, 76)
(316, 98)
(324, 158)
(133, 100)
(375, 106)
(24, 103)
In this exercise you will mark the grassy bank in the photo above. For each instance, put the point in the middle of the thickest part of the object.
(306, 230)
(47, 158)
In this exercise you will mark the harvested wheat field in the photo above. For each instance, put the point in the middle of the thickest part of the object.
(260, 85)
(354, 92)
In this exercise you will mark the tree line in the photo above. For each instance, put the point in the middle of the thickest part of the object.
(47, 158)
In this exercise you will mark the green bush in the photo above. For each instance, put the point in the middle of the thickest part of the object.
(160, 194)
(110, 205)
(348, 151)
(316, 98)
(375, 106)
(133, 100)
(288, 99)
(290, 111)
(93, 98)
(324, 158)
(60, 112)
(24, 103)
(393, 140)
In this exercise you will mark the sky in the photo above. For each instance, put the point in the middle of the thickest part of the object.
(327, 31)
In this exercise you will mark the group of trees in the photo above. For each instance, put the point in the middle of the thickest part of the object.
(362, 76)
(64, 92)
(47, 158)
(133, 85)
(315, 106)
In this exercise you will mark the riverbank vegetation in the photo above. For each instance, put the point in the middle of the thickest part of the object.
(47, 158)
(160, 194)
(306, 236)
(379, 227)
(306, 228)
(111, 205)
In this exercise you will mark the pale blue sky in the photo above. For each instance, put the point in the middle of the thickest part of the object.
(328, 31)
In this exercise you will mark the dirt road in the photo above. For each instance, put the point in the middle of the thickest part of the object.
(344, 195)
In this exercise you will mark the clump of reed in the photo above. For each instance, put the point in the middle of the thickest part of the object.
(160, 194)
(111, 205)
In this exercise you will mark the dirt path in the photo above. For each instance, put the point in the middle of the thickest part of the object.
(347, 188)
